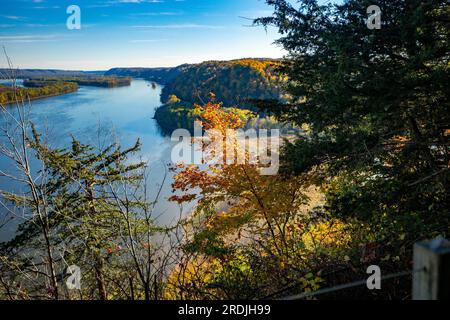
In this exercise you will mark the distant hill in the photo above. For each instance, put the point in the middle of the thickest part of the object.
(91, 80)
(34, 73)
(48, 89)
(233, 82)
(159, 75)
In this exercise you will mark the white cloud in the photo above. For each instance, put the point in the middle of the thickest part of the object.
(27, 38)
(12, 17)
(180, 26)
(140, 1)
(147, 40)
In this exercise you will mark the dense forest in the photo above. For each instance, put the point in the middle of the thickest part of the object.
(369, 180)
(10, 95)
(234, 83)
(42, 87)
(159, 75)
(95, 81)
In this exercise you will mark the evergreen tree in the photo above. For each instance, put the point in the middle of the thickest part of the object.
(96, 218)
(377, 104)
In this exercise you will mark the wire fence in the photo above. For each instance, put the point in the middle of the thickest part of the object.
(430, 274)
(350, 285)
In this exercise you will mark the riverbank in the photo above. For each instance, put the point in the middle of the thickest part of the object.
(41, 97)
(105, 82)
(97, 115)
(9, 96)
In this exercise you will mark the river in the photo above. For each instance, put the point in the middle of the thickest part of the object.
(95, 115)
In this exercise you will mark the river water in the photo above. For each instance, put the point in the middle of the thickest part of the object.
(97, 115)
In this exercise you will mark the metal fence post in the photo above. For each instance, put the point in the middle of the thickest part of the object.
(431, 278)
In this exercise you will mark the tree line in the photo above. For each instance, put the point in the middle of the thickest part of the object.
(95, 81)
(234, 83)
(369, 179)
(12, 95)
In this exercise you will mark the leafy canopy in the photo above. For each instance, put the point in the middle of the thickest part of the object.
(376, 102)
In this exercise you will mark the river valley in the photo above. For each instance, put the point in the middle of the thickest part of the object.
(100, 115)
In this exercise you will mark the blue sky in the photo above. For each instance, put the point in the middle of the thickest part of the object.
(126, 33)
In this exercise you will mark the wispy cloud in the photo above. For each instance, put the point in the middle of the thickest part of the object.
(42, 25)
(119, 2)
(167, 13)
(147, 40)
(139, 1)
(113, 2)
(46, 7)
(12, 17)
(179, 26)
(27, 38)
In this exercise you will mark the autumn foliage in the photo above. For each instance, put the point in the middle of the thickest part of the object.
(249, 226)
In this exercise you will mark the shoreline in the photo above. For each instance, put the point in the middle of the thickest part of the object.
(39, 98)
